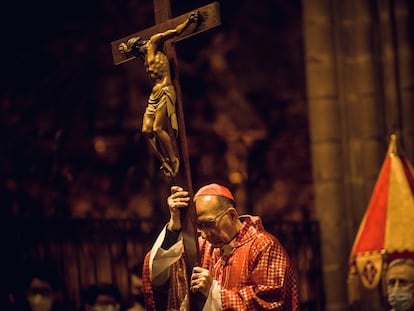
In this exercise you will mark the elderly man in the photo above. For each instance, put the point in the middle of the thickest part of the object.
(400, 284)
(243, 267)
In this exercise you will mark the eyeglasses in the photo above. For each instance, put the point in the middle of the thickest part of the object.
(403, 283)
(211, 224)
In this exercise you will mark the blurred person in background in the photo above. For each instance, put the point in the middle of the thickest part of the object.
(399, 280)
(101, 297)
(136, 288)
(42, 290)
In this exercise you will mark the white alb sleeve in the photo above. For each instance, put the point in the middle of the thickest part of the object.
(161, 259)
(213, 302)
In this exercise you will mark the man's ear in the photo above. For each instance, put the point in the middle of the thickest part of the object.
(88, 307)
(233, 213)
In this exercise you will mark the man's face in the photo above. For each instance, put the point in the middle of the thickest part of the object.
(400, 276)
(400, 286)
(40, 295)
(104, 302)
(215, 222)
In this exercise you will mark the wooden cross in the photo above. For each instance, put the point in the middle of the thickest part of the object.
(210, 18)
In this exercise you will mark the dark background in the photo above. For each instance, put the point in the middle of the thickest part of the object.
(72, 151)
(243, 96)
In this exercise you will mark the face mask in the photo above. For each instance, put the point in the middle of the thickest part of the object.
(40, 303)
(400, 299)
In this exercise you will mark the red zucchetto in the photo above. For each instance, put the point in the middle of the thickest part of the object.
(214, 189)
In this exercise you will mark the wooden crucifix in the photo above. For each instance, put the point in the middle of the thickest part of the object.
(167, 89)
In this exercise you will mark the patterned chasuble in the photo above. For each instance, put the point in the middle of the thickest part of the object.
(256, 274)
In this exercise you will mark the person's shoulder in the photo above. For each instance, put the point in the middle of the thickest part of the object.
(264, 239)
(255, 224)
(64, 307)
(136, 308)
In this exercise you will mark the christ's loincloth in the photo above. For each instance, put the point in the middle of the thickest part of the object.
(156, 101)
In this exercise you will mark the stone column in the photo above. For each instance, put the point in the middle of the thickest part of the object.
(396, 52)
(360, 90)
(327, 150)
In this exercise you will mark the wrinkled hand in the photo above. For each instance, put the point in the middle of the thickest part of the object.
(178, 199)
(201, 280)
